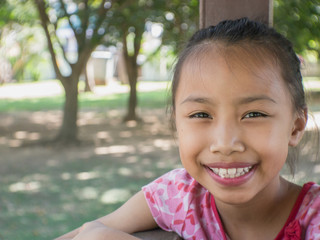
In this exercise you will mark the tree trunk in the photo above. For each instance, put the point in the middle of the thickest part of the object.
(88, 83)
(132, 70)
(69, 129)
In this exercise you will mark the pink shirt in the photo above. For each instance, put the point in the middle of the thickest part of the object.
(179, 203)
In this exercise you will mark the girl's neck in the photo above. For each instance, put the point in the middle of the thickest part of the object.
(265, 215)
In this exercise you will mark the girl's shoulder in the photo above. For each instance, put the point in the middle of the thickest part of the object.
(311, 199)
(309, 212)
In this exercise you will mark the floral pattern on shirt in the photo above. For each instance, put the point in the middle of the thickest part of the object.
(179, 203)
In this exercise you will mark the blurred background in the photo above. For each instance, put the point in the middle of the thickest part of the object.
(83, 95)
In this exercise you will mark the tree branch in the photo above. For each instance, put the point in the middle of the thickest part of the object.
(63, 7)
(60, 44)
(101, 16)
(84, 25)
(45, 22)
(137, 40)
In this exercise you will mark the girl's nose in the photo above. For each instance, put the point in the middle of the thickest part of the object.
(226, 140)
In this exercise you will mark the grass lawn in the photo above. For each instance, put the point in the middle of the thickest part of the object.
(156, 97)
(46, 191)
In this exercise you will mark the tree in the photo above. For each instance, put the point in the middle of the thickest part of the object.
(178, 17)
(299, 21)
(129, 27)
(87, 21)
(90, 21)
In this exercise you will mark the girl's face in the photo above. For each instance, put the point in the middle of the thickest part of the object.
(235, 121)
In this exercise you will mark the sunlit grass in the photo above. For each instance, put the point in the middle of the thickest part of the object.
(156, 97)
(44, 198)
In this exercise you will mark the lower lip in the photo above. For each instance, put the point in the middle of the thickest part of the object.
(231, 182)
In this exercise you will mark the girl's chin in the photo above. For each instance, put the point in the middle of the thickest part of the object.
(237, 195)
(233, 199)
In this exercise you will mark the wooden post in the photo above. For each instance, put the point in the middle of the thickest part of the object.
(214, 11)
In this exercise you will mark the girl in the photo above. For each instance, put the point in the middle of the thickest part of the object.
(238, 104)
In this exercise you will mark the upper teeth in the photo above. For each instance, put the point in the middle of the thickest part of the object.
(230, 172)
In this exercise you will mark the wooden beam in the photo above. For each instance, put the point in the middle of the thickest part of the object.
(214, 11)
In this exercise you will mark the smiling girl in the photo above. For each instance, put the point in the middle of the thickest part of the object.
(238, 104)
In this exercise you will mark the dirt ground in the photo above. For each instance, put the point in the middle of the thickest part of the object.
(40, 181)
(99, 134)
(141, 151)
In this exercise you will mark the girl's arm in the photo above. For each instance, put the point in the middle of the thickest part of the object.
(133, 216)
(95, 230)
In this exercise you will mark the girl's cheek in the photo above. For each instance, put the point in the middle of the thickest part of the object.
(190, 143)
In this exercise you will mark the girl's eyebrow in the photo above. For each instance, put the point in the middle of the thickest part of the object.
(251, 99)
(197, 100)
(242, 101)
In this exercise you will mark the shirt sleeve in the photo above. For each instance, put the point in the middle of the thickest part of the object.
(310, 215)
(168, 198)
(180, 204)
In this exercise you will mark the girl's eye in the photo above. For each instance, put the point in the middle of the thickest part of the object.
(254, 115)
(200, 115)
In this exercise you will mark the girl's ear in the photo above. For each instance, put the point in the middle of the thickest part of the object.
(298, 128)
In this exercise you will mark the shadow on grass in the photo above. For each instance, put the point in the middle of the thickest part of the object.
(47, 197)
(48, 191)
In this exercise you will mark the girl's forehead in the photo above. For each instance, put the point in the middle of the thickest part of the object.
(231, 69)
(246, 55)
(256, 62)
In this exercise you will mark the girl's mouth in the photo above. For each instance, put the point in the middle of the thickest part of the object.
(231, 172)
(231, 176)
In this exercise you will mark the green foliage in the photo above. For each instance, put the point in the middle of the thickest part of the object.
(5, 13)
(26, 47)
(299, 21)
(22, 12)
(16, 11)
(180, 20)
(20, 41)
